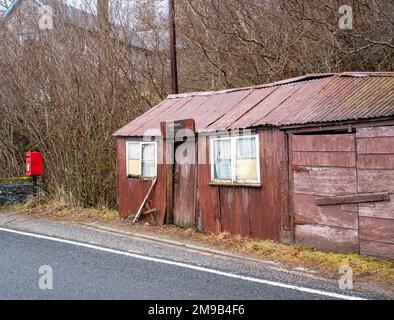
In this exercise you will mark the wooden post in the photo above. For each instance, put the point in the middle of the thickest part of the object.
(172, 47)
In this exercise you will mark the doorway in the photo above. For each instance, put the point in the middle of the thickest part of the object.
(184, 182)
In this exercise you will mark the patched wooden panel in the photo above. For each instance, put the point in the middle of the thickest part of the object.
(375, 132)
(343, 142)
(327, 238)
(375, 145)
(381, 230)
(377, 249)
(306, 212)
(325, 159)
(375, 161)
(325, 181)
(384, 209)
(375, 181)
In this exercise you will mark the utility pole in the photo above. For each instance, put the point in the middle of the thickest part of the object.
(103, 15)
(173, 53)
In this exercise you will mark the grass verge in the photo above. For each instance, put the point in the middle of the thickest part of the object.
(62, 211)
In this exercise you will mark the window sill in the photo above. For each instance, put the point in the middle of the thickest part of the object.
(140, 178)
(235, 184)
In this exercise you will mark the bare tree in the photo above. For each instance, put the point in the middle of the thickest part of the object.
(65, 91)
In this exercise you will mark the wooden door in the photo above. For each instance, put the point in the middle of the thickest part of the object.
(325, 166)
(375, 155)
(184, 193)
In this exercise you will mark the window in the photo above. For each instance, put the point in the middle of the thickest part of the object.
(235, 159)
(141, 159)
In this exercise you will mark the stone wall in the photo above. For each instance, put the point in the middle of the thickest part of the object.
(15, 192)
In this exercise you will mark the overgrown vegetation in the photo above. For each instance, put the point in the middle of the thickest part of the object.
(65, 91)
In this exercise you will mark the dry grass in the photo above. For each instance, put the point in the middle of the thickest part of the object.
(61, 210)
(326, 263)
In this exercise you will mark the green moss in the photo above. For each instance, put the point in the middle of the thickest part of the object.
(17, 179)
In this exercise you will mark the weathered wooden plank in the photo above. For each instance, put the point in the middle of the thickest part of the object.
(184, 190)
(242, 208)
(229, 210)
(381, 230)
(139, 212)
(150, 211)
(375, 132)
(327, 238)
(343, 142)
(209, 201)
(357, 198)
(375, 161)
(375, 181)
(270, 201)
(325, 181)
(159, 194)
(325, 159)
(306, 212)
(377, 210)
(377, 249)
(375, 145)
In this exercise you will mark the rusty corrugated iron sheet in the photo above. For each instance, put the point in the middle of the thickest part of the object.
(305, 100)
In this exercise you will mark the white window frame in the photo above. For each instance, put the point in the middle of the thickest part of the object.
(234, 180)
(141, 143)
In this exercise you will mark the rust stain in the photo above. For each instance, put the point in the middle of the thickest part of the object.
(310, 99)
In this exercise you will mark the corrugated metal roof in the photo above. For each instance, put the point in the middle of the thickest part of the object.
(305, 100)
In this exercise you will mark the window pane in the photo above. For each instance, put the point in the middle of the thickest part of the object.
(133, 150)
(222, 149)
(148, 160)
(222, 159)
(246, 148)
(134, 168)
(148, 169)
(148, 151)
(223, 170)
(246, 169)
(246, 159)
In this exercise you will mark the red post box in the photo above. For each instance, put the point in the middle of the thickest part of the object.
(34, 164)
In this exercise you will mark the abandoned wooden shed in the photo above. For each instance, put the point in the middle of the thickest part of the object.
(308, 160)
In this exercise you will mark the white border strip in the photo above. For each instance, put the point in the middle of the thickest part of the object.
(188, 266)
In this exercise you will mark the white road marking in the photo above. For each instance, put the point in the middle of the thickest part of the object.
(188, 266)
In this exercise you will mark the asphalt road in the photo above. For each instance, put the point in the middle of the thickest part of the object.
(92, 264)
(87, 273)
(83, 273)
